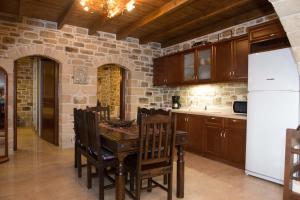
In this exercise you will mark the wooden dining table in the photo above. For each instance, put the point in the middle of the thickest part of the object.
(124, 141)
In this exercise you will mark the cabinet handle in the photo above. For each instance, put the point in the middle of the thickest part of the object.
(187, 119)
(233, 73)
(221, 134)
(272, 35)
(234, 121)
(212, 118)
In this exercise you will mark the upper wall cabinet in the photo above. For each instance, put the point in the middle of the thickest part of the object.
(221, 62)
(231, 60)
(166, 70)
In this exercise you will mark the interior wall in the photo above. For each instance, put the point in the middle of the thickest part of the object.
(108, 87)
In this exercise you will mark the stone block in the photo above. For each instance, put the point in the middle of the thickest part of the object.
(79, 100)
(47, 34)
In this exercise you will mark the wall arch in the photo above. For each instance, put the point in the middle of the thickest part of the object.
(17, 52)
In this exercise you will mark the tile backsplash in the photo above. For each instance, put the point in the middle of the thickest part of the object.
(211, 95)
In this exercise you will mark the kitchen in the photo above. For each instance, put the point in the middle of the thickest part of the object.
(217, 64)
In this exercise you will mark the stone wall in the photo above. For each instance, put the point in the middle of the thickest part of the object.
(79, 56)
(24, 92)
(289, 15)
(108, 91)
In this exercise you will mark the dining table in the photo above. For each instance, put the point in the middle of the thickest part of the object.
(124, 141)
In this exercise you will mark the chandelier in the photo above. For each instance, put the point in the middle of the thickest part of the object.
(111, 8)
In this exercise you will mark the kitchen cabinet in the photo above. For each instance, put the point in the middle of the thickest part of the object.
(204, 64)
(222, 139)
(193, 125)
(231, 59)
(166, 70)
(189, 72)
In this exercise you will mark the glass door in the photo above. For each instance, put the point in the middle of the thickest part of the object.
(204, 63)
(189, 66)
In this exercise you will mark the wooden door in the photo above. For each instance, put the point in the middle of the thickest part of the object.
(235, 135)
(212, 139)
(49, 101)
(223, 60)
(240, 58)
(204, 64)
(195, 140)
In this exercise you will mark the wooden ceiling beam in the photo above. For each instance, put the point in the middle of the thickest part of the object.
(166, 8)
(244, 17)
(168, 31)
(21, 10)
(8, 17)
(66, 14)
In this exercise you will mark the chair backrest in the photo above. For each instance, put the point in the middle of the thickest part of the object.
(104, 113)
(93, 131)
(156, 140)
(144, 112)
(81, 127)
(76, 124)
(92, 108)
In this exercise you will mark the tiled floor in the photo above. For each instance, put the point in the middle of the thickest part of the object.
(41, 171)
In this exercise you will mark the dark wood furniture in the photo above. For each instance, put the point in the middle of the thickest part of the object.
(4, 117)
(104, 113)
(267, 36)
(222, 139)
(292, 168)
(97, 156)
(156, 153)
(225, 61)
(124, 142)
(81, 138)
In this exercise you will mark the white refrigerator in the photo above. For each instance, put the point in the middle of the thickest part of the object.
(273, 106)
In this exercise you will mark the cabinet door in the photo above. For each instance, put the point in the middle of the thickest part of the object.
(240, 57)
(204, 63)
(181, 122)
(235, 135)
(223, 60)
(212, 140)
(159, 72)
(189, 66)
(267, 31)
(173, 70)
(195, 141)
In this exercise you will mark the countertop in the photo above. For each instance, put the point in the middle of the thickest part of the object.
(214, 113)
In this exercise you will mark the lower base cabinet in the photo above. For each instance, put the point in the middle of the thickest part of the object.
(218, 138)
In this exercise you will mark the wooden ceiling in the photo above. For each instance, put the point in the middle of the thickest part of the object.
(164, 21)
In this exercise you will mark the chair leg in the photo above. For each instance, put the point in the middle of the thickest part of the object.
(138, 188)
(89, 174)
(79, 166)
(165, 179)
(170, 183)
(101, 183)
(149, 187)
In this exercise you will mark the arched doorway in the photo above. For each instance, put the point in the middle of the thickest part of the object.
(36, 98)
(3, 116)
(111, 89)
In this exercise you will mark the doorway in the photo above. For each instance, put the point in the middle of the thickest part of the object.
(36, 98)
(3, 117)
(111, 89)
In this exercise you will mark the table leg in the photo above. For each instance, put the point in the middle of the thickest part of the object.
(120, 179)
(180, 172)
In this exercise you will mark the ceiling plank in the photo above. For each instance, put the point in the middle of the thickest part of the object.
(159, 34)
(244, 17)
(66, 14)
(167, 8)
(21, 10)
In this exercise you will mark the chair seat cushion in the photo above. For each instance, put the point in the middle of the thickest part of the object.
(106, 154)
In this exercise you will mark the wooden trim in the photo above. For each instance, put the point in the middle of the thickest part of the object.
(5, 157)
(165, 9)
(15, 108)
(56, 134)
(21, 10)
(122, 94)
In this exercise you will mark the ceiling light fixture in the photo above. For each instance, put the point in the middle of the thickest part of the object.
(111, 8)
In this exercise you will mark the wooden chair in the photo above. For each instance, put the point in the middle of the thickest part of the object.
(98, 156)
(142, 112)
(81, 143)
(292, 164)
(104, 113)
(76, 143)
(156, 153)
